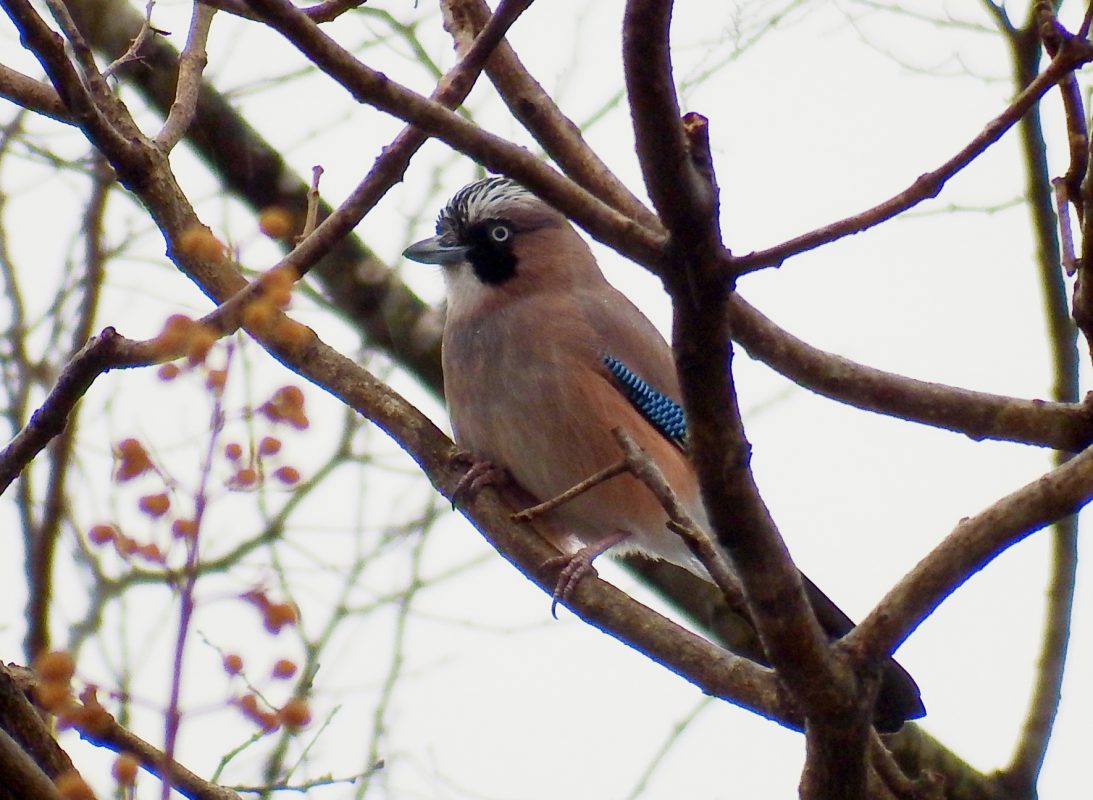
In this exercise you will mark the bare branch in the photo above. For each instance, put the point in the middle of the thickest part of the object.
(133, 51)
(974, 543)
(1042, 26)
(1024, 768)
(104, 352)
(311, 219)
(685, 200)
(497, 154)
(1062, 426)
(22, 777)
(190, 66)
(676, 166)
(22, 722)
(31, 94)
(1072, 54)
(593, 480)
(107, 732)
(391, 165)
(680, 522)
(537, 111)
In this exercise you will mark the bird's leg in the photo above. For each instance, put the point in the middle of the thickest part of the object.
(481, 474)
(576, 565)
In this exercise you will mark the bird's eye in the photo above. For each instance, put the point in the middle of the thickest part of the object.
(500, 233)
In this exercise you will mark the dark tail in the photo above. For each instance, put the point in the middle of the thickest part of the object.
(899, 699)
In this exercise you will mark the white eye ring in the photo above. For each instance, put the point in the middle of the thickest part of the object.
(500, 233)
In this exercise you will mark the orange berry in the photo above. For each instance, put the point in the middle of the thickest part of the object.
(283, 668)
(233, 664)
(184, 528)
(291, 396)
(125, 769)
(296, 714)
(133, 460)
(275, 222)
(53, 696)
(266, 720)
(216, 380)
(200, 343)
(151, 552)
(287, 475)
(245, 477)
(269, 446)
(71, 786)
(278, 279)
(199, 242)
(278, 615)
(101, 534)
(298, 420)
(126, 545)
(233, 451)
(293, 333)
(154, 505)
(286, 404)
(172, 338)
(56, 666)
(168, 372)
(258, 314)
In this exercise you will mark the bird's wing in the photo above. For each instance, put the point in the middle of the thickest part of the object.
(637, 359)
(659, 410)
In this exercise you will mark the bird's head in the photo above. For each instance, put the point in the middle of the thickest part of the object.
(496, 236)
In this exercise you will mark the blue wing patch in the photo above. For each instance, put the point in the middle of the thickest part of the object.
(661, 411)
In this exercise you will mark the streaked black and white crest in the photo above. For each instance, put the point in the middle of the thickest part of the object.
(491, 197)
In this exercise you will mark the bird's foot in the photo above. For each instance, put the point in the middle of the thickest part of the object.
(478, 476)
(576, 565)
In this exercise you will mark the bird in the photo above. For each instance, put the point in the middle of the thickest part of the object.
(543, 358)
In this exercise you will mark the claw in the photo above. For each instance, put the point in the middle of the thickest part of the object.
(576, 565)
(480, 475)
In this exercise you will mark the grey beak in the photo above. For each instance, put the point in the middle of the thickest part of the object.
(436, 250)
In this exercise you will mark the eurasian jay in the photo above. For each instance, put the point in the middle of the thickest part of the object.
(543, 358)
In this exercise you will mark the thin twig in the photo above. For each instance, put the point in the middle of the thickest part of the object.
(592, 481)
(536, 110)
(1072, 54)
(368, 86)
(680, 522)
(1022, 773)
(191, 64)
(1066, 231)
(312, 216)
(330, 10)
(188, 585)
(108, 733)
(132, 53)
(395, 158)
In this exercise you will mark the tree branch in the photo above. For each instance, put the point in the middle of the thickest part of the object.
(676, 166)
(536, 110)
(974, 543)
(375, 89)
(1062, 426)
(1072, 54)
